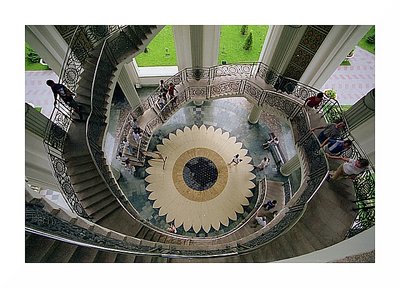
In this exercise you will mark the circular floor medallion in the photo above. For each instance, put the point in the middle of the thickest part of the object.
(196, 187)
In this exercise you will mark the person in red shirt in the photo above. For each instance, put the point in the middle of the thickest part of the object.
(314, 101)
(171, 92)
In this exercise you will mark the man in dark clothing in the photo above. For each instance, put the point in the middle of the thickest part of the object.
(66, 95)
(331, 131)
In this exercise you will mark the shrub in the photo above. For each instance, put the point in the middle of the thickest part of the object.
(330, 93)
(249, 41)
(371, 39)
(32, 56)
(244, 29)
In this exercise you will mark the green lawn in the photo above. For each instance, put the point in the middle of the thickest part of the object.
(157, 55)
(29, 66)
(231, 44)
(231, 47)
(364, 44)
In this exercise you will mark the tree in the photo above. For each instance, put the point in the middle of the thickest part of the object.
(249, 41)
(244, 29)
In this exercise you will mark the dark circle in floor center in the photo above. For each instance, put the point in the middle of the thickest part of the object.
(200, 173)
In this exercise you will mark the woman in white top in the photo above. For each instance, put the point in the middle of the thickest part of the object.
(350, 168)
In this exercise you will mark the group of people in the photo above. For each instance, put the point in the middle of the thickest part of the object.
(330, 139)
(166, 93)
(264, 215)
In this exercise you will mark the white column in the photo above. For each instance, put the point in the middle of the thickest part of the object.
(254, 115)
(279, 46)
(183, 46)
(290, 166)
(126, 81)
(211, 36)
(135, 74)
(196, 45)
(337, 44)
(48, 44)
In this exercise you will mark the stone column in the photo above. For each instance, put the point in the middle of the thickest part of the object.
(211, 45)
(183, 46)
(361, 120)
(48, 44)
(290, 166)
(126, 81)
(196, 45)
(340, 40)
(198, 102)
(254, 115)
(279, 46)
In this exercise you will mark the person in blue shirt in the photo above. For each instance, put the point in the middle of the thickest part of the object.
(66, 95)
(270, 204)
(336, 146)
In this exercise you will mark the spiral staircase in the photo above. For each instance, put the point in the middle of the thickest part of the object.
(105, 227)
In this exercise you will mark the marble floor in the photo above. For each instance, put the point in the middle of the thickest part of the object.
(230, 115)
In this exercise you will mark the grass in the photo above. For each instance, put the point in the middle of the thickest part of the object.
(29, 66)
(345, 62)
(345, 107)
(231, 44)
(231, 47)
(364, 44)
(157, 55)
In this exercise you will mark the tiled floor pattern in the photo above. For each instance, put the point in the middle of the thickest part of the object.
(230, 115)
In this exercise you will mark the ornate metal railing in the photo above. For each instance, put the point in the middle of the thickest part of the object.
(263, 97)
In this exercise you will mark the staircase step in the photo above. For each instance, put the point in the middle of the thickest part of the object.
(36, 248)
(99, 206)
(91, 191)
(120, 221)
(143, 259)
(100, 214)
(61, 252)
(85, 184)
(101, 196)
(83, 255)
(81, 169)
(105, 257)
(84, 176)
(78, 161)
(125, 258)
(142, 232)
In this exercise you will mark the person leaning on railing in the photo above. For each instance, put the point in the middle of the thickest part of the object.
(314, 101)
(331, 131)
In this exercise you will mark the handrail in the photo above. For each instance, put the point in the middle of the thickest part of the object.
(289, 218)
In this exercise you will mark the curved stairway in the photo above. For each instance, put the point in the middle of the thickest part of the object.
(326, 221)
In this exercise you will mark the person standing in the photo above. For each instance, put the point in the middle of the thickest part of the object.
(350, 168)
(314, 101)
(236, 160)
(330, 131)
(66, 95)
(336, 146)
(264, 163)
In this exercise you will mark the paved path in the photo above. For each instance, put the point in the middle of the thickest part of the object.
(37, 92)
(353, 82)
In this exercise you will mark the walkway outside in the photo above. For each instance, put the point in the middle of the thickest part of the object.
(353, 82)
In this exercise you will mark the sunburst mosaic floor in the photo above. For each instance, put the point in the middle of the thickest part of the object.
(197, 186)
